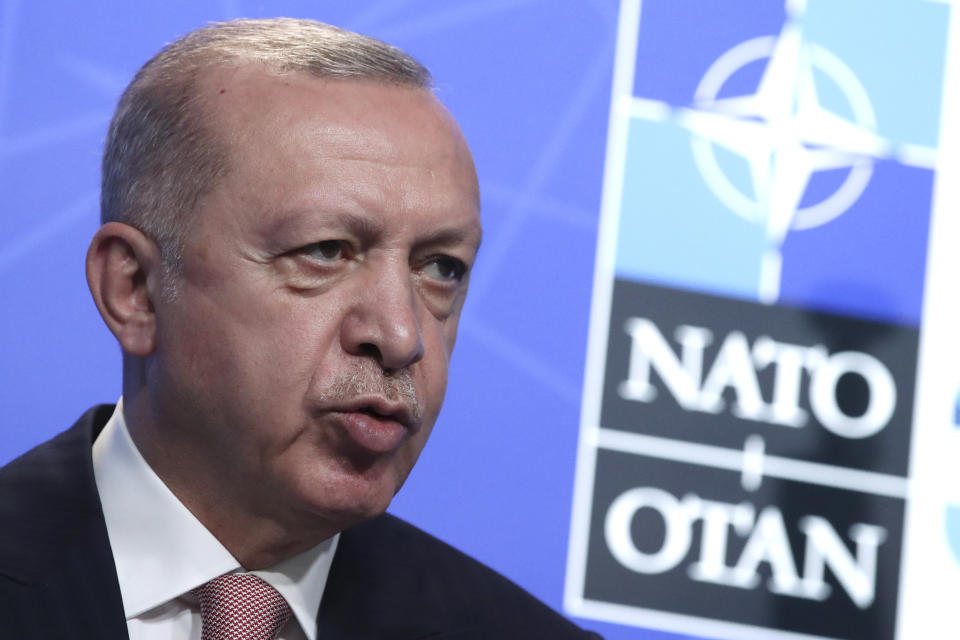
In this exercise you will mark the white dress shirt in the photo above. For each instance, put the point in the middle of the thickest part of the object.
(162, 551)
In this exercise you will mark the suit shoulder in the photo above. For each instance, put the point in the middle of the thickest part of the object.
(53, 469)
(48, 495)
(391, 561)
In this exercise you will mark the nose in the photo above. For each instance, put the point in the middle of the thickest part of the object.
(383, 323)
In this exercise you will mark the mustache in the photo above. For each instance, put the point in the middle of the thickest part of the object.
(367, 380)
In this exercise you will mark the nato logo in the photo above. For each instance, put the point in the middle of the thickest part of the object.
(768, 190)
(791, 130)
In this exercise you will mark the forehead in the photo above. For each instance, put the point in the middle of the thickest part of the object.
(293, 130)
(249, 103)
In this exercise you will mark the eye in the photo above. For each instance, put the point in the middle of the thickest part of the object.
(445, 268)
(326, 251)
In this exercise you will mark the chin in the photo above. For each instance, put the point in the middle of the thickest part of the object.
(344, 501)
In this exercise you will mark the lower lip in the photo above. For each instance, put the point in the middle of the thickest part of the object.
(379, 435)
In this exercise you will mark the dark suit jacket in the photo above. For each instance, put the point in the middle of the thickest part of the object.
(388, 580)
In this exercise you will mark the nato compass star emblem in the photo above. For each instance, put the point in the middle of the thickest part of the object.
(785, 135)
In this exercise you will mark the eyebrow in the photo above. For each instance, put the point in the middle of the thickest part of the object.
(296, 219)
(370, 226)
(364, 226)
(472, 235)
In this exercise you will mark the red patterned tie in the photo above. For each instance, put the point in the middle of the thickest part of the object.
(241, 606)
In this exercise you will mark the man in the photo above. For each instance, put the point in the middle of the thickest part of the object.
(290, 221)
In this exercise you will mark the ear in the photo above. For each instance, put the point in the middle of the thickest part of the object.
(123, 273)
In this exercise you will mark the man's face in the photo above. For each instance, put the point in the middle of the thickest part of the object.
(305, 357)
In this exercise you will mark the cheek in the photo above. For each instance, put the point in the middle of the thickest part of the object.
(406, 458)
(439, 338)
(448, 334)
(257, 346)
(435, 387)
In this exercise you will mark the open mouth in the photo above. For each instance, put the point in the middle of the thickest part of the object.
(373, 430)
(370, 411)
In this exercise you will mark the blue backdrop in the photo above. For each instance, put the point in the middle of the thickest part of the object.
(529, 82)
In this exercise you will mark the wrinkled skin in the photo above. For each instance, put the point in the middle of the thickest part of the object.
(297, 374)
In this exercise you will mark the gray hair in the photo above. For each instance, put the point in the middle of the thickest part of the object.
(161, 155)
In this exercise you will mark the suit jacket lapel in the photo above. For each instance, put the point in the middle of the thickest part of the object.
(387, 583)
(367, 595)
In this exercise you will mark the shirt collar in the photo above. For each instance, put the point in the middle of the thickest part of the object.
(162, 551)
